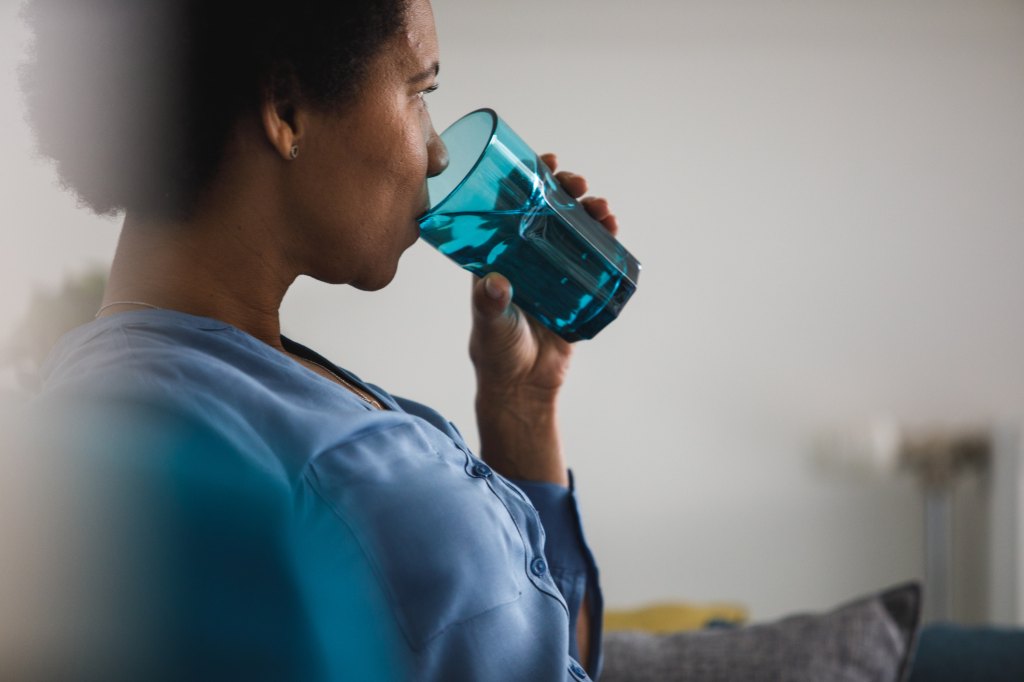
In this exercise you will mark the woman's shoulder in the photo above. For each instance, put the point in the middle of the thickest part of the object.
(152, 352)
(172, 375)
(205, 372)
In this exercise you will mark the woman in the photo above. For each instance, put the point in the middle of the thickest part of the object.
(247, 144)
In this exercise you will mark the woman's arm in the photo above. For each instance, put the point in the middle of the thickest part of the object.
(520, 368)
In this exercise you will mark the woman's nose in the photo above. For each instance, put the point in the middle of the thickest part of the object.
(437, 154)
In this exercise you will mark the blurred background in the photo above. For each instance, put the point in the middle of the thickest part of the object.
(828, 201)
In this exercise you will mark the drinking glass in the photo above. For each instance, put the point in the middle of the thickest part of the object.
(498, 208)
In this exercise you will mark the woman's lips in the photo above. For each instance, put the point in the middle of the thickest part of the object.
(424, 202)
(415, 231)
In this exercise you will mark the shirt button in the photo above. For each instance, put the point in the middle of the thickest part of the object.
(481, 470)
(578, 672)
(538, 566)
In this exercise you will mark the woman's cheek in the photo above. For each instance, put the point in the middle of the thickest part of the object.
(426, 125)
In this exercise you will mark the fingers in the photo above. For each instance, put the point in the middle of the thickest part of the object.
(576, 186)
(598, 208)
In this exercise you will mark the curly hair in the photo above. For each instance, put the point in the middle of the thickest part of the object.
(134, 100)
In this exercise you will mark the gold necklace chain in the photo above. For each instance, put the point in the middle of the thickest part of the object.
(113, 303)
(369, 400)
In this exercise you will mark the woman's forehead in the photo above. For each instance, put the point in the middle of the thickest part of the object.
(420, 32)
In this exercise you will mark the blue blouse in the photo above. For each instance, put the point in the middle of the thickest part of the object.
(408, 557)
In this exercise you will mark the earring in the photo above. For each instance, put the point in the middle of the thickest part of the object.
(294, 151)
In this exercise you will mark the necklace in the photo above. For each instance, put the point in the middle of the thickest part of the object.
(113, 303)
(369, 400)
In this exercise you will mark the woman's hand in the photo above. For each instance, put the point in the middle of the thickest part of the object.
(520, 366)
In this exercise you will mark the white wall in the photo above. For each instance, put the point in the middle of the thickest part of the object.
(828, 199)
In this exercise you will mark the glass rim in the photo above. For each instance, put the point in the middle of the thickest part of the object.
(431, 210)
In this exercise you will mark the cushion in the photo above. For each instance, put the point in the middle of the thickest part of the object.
(957, 653)
(868, 640)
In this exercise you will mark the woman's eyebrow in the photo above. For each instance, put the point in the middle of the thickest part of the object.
(430, 72)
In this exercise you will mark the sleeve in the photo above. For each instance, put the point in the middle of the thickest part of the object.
(570, 560)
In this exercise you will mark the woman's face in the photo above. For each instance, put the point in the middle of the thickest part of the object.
(359, 182)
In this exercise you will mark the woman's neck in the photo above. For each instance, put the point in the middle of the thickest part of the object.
(213, 266)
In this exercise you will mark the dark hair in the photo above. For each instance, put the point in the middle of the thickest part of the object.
(134, 99)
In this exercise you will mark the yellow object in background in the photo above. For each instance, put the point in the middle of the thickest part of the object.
(673, 617)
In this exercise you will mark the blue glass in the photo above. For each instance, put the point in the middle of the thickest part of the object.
(498, 208)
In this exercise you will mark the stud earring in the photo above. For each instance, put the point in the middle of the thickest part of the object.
(294, 153)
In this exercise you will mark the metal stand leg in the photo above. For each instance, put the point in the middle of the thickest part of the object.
(938, 548)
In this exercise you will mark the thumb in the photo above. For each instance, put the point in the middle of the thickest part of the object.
(497, 323)
(497, 326)
(492, 302)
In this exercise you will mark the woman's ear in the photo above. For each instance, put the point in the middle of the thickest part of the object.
(282, 122)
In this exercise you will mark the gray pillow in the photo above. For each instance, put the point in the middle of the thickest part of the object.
(868, 640)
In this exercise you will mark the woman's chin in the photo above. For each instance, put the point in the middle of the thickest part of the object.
(377, 278)
(371, 276)
(372, 285)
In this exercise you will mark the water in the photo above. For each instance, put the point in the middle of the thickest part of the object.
(574, 280)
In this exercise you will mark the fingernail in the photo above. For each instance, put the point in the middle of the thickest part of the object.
(493, 290)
